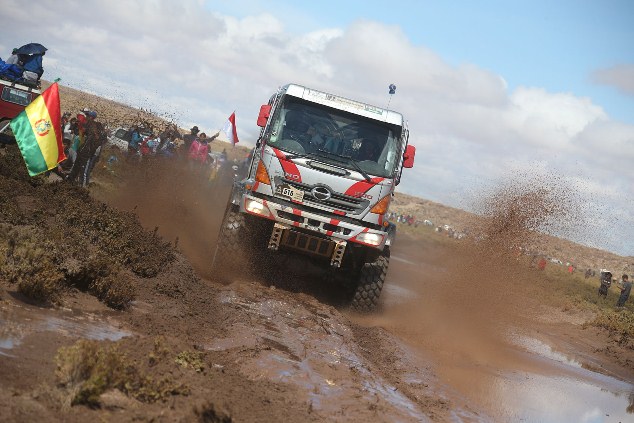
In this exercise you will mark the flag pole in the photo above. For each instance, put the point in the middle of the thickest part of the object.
(5, 127)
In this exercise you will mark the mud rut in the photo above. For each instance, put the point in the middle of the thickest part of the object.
(287, 349)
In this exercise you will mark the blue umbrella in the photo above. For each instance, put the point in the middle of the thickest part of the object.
(31, 48)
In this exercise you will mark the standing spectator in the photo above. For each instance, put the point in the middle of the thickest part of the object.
(541, 265)
(198, 150)
(188, 139)
(86, 150)
(100, 139)
(134, 145)
(606, 281)
(626, 287)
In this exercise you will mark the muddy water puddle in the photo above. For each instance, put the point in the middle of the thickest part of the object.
(17, 322)
(516, 378)
(311, 348)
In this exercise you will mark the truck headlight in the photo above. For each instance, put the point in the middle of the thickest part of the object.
(370, 238)
(255, 207)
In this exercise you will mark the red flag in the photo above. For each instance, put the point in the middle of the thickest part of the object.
(230, 129)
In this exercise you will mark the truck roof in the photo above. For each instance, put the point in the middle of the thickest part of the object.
(345, 104)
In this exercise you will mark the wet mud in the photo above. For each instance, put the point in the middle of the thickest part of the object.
(464, 332)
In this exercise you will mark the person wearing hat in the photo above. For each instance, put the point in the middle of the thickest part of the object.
(188, 139)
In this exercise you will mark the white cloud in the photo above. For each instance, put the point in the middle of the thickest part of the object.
(183, 60)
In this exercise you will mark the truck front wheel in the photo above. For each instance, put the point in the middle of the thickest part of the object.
(228, 257)
(370, 283)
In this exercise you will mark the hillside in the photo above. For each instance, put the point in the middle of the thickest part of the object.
(582, 257)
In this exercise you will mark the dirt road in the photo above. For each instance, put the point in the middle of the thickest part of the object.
(454, 339)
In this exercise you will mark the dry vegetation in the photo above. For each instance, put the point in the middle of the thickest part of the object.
(56, 237)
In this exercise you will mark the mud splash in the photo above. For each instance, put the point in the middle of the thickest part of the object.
(476, 332)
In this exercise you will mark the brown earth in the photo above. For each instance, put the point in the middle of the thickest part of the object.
(454, 324)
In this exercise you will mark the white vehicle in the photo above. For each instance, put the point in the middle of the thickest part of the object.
(121, 136)
(319, 185)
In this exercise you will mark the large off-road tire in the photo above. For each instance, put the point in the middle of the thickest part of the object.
(369, 285)
(229, 257)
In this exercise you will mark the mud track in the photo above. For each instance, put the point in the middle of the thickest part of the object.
(448, 342)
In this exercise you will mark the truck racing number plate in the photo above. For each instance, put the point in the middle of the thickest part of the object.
(289, 192)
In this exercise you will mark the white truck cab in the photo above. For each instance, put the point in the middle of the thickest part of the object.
(319, 185)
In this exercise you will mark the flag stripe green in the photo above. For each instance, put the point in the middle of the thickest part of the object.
(27, 142)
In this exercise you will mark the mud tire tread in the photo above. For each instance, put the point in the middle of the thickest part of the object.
(371, 280)
(230, 248)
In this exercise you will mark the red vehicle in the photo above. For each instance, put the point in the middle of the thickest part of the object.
(14, 98)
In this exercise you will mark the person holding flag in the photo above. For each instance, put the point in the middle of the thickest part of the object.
(38, 132)
(230, 129)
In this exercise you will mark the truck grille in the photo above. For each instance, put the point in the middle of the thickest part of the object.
(338, 201)
(307, 243)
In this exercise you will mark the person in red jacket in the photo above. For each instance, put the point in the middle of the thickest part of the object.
(199, 149)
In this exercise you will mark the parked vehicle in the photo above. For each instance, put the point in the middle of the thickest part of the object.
(14, 98)
(121, 136)
(319, 185)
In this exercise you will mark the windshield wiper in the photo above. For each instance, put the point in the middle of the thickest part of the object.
(292, 156)
(346, 159)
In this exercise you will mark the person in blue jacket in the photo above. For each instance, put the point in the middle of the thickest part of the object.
(33, 69)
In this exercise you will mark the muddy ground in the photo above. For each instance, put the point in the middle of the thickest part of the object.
(459, 335)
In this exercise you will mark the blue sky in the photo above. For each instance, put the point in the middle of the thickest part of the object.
(556, 45)
(492, 90)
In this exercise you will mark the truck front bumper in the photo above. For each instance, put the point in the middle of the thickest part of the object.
(328, 227)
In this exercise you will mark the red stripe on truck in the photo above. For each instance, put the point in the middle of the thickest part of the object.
(290, 169)
(359, 188)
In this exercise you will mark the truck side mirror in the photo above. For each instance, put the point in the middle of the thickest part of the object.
(263, 117)
(408, 157)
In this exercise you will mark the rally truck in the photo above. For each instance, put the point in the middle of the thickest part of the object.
(318, 186)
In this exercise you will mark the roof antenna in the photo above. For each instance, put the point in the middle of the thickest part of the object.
(392, 91)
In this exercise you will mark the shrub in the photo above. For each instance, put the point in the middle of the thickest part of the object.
(618, 323)
(88, 369)
(28, 261)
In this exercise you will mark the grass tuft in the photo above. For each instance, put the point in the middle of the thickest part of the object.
(88, 369)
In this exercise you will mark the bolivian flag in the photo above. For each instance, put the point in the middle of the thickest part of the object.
(38, 133)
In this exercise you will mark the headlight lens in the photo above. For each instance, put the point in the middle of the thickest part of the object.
(370, 238)
(255, 207)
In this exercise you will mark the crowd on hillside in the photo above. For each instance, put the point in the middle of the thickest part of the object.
(84, 138)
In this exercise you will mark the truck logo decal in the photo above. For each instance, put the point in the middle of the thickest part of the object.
(321, 193)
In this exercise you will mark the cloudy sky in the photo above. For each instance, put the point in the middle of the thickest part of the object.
(493, 91)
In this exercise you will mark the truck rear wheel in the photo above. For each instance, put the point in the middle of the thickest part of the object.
(228, 258)
(370, 283)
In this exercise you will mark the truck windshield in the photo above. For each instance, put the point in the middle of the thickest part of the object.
(331, 135)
